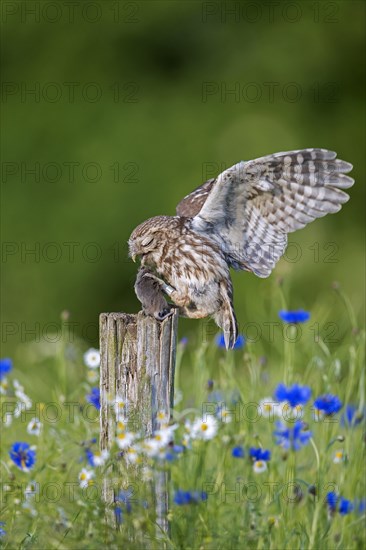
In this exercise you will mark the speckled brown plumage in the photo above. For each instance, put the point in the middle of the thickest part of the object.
(239, 219)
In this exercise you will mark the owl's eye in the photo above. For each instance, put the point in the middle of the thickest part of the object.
(148, 241)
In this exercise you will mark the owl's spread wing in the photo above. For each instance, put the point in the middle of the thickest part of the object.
(249, 208)
(192, 203)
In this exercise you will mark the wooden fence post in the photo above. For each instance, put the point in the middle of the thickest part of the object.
(137, 365)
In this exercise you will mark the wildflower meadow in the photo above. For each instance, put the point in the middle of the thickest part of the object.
(263, 450)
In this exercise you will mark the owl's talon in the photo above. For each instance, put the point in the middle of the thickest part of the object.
(163, 314)
(164, 287)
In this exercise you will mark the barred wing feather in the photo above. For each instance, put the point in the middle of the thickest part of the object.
(251, 207)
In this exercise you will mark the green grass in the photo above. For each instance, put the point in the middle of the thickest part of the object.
(244, 509)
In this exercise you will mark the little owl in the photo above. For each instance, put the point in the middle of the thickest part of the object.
(240, 220)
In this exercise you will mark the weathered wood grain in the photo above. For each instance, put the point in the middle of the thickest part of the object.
(137, 365)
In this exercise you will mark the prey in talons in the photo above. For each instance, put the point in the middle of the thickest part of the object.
(148, 290)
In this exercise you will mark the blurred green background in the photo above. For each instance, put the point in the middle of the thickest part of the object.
(136, 103)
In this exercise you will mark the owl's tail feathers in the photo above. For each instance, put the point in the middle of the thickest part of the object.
(225, 318)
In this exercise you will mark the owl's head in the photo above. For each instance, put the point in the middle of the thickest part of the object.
(149, 236)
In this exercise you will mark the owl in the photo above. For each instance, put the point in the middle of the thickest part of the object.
(238, 220)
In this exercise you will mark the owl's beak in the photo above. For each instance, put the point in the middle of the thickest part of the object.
(132, 252)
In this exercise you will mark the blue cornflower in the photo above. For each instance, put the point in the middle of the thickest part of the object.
(332, 500)
(260, 454)
(173, 452)
(22, 455)
(94, 397)
(215, 396)
(328, 404)
(96, 458)
(360, 505)
(6, 366)
(124, 497)
(235, 397)
(292, 438)
(199, 496)
(2, 531)
(182, 497)
(89, 456)
(345, 506)
(294, 395)
(238, 452)
(239, 344)
(299, 316)
(352, 416)
(118, 514)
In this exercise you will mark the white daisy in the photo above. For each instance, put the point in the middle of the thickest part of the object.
(151, 447)
(86, 478)
(24, 402)
(4, 386)
(92, 358)
(100, 457)
(165, 435)
(226, 415)
(31, 490)
(119, 408)
(259, 466)
(204, 429)
(132, 454)
(268, 408)
(124, 439)
(92, 376)
(34, 427)
(8, 419)
(147, 474)
(294, 413)
(121, 426)
(318, 415)
(17, 385)
(186, 438)
(338, 457)
(163, 418)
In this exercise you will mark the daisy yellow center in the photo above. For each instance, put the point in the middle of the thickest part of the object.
(339, 454)
(267, 406)
(204, 427)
